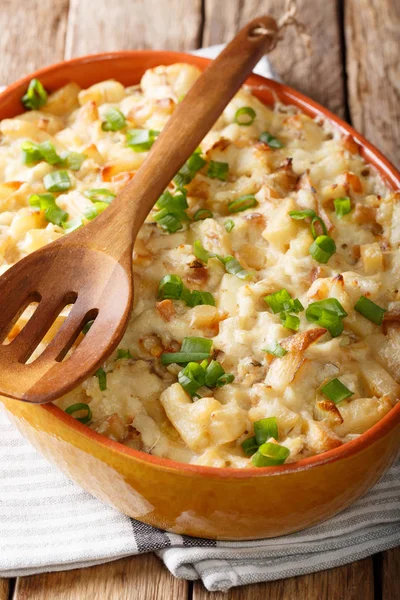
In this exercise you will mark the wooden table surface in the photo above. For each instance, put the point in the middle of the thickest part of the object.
(354, 70)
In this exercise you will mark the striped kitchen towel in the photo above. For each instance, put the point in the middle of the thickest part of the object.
(47, 523)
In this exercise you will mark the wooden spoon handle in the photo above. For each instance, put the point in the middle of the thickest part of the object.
(192, 119)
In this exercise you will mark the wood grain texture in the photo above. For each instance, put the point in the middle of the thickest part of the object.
(373, 67)
(22, 48)
(4, 589)
(137, 578)
(390, 574)
(351, 582)
(131, 24)
(319, 74)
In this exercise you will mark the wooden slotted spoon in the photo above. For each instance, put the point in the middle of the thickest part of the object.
(91, 268)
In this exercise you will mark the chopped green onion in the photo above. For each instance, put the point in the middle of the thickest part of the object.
(102, 377)
(234, 267)
(270, 140)
(229, 225)
(171, 211)
(189, 169)
(33, 153)
(270, 454)
(201, 253)
(114, 120)
(245, 116)
(225, 379)
(192, 377)
(182, 358)
(170, 287)
(193, 348)
(73, 160)
(201, 214)
(282, 301)
(314, 310)
(218, 170)
(100, 207)
(322, 248)
(327, 313)
(250, 446)
(336, 391)
(299, 215)
(342, 206)
(141, 140)
(196, 344)
(35, 96)
(46, 202)
(197, 297)
(121, 353)
(213, 372)
(70, 226)
(77, 408)
(290, 321)
(99, 195)
(276, 350)
(370, 310)
(242, 203)
(264, 429)
(49, 153)
(90, 213)
(58, 181)
(87, 327)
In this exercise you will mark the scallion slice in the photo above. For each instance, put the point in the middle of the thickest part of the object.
(264, 429)
(245, 116)
(192, 377)
(35, 96)
(196, 344)
(58, 181)
(74, 408)
(270, 454)
(46, 202)
(270, 140)
(189, 169)
(70, 226)
(276, 350)
(370, 310)
(243, 203)
(282, 301)
(201, 214)
(170, 287)
(73, 160)
(87, 327)
(234, 267)
(200, 252)
(336, 391)
(99, 195)
(197, 297)
(290, 321)
(123, 354)
(229, 225)
(327, 313)
(224, 380)
(182, 358)
(322, 248)
(218, 170)
(171, 211)
(213, 372)
(250, 446)
(342, 206)
(102, 377)
(299, 215)
(141, 140)
(114, 120)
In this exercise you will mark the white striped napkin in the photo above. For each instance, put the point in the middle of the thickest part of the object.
(47, 523)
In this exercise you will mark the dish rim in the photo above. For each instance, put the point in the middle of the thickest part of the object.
(372, 156)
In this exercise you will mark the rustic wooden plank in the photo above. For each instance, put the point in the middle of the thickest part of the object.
(136, 578)
(132, 24)
(373, 44)
(352, 582)
(319, 74)
(32, 35)
(390, 574)
(4, 589)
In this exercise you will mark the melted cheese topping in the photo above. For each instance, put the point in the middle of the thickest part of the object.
(143, 405)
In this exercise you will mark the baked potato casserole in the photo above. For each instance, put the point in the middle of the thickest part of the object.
(266, 278)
